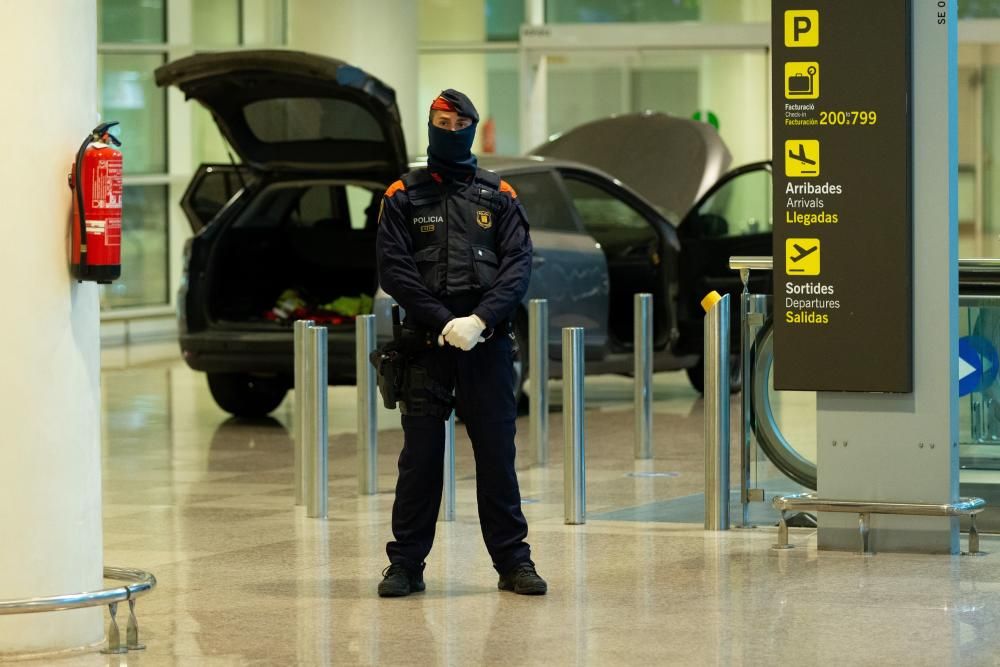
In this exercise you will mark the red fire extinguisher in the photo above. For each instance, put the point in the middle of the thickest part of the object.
(96, 182)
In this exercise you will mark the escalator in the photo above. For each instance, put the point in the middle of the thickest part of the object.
(790, 446)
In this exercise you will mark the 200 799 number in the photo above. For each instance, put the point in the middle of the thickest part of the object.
(848, 118)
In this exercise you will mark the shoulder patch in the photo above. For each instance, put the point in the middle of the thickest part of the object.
(506, 187)
(394, 188)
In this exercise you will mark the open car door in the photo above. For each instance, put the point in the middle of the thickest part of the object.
(733, 218)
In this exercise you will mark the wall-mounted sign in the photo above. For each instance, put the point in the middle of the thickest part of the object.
(843, 270)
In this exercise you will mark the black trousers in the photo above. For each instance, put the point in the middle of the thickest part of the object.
(484, 396)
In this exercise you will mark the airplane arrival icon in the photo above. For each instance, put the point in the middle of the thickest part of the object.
(802, 158)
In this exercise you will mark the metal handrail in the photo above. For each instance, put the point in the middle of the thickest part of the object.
(141, 583)
(964, 506)
(765, 263)
(808, 501)
(977, 265)
(751, 263)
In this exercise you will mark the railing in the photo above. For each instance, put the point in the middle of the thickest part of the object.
(139, 583)
(808, 501)
(979, 279)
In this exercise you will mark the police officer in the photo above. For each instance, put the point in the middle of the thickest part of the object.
(454, 251)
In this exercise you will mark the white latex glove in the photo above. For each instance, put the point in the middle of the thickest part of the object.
(465, 332)
(444, 332)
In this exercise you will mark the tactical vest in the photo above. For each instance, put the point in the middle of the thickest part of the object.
(453, 231)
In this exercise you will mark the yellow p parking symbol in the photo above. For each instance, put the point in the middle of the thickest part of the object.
(801, 27)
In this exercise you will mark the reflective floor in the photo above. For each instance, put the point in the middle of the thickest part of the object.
(205, 503)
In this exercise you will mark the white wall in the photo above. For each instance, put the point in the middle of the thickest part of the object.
(50, 419)
(379, 36)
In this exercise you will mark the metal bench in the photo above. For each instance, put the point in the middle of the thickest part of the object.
(801, 502)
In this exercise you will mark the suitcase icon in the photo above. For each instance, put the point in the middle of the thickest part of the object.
(802, 83)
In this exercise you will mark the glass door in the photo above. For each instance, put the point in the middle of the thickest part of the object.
(727, 88)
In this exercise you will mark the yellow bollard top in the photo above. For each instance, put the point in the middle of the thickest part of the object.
(710, 300)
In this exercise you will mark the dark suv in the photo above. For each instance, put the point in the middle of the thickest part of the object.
(290, 231)
(319, 141)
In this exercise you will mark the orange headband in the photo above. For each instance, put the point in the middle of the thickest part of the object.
(441, 104)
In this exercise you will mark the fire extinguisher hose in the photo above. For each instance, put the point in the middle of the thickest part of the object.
(97, 134)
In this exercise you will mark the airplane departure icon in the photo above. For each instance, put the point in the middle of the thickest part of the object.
(803, 253)
(802, 158)
(802, 257)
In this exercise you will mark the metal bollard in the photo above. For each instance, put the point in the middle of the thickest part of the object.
(538, 364)
(746, 408)
(448, 488)
(316, 437)
(367, 407)
(574, 464)
(300, 328)
(716, 412)
(754, 310)
(643, 353)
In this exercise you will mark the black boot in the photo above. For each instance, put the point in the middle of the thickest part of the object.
(523, 580)
(399, 581)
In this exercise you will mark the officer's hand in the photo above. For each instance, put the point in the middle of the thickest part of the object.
(465, 332)
(444, 332)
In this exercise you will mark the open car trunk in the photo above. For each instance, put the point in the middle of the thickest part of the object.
(301, 250)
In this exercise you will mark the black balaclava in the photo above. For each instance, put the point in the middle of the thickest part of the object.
(450, 153)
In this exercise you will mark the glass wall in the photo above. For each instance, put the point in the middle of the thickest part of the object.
(978, 9)
(134, 40)
(615, 11)
(216, 23)
(991, 145)
(978, 150)
(132, 22)
(145, 254)
(491, 82)
(470, 20)
(484, 68)
(728, 86)
(127, 94)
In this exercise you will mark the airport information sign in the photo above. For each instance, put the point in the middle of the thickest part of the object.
(843, 268)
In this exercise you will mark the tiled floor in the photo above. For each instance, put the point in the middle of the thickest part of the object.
(205, 503)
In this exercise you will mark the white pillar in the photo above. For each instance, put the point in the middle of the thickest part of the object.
(50, 470)
(735, 85)
(465, 22)
(379, 36)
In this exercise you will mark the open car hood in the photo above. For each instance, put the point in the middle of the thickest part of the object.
(671, 161)
(294, 110)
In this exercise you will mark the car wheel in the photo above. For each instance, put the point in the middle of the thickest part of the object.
(696, 375)
(246, 395)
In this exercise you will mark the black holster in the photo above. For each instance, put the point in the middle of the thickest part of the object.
(403, 381)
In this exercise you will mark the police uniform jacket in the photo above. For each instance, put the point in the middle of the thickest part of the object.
(451, 249)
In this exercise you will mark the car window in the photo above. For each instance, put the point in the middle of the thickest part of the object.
(543, 201)
(308, 119)
(331, 206)
(740, 207)
(363, 204)
(212, 187)
(601, 211)
(318, 204)
(340, 206)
